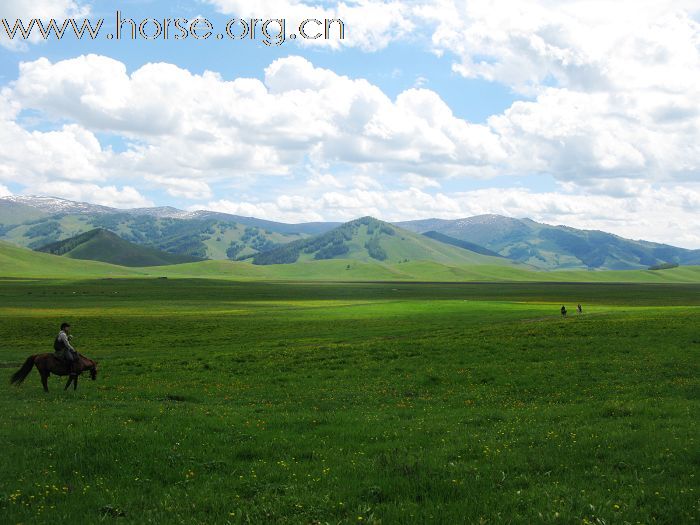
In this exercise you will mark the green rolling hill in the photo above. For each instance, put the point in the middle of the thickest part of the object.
(22, 263)
(556, 247)
(370, 240)
(103, 245)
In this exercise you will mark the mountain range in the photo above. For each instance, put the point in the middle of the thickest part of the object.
(556, 247)
(38, 222)
(370, 240)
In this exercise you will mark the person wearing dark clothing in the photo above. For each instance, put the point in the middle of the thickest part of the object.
(580, 309)
(64, 350)
(563, 311)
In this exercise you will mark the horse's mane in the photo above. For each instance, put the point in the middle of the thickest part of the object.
(87, 359)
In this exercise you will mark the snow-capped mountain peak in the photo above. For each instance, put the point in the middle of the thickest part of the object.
(161, 212)
(55, 205)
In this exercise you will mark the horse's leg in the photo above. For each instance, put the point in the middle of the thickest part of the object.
(44, 379)
(70, 378)
(75, 383)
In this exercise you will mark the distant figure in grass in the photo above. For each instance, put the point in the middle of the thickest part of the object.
(64, 361)
(563, 311)
(580, 309)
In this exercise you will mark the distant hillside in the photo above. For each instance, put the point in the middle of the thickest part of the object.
(12, 213)
(55, 206)
(461, 244)
(19, 262)
(556, 247)
(368, 239)
(105, 246)
(304, 228)
(202, 236)
(37, 221)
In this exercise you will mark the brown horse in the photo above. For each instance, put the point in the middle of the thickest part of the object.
(48, 364)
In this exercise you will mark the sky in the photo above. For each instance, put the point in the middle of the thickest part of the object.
(584, 113)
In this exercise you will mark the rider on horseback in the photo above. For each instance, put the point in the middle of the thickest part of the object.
(64, 350)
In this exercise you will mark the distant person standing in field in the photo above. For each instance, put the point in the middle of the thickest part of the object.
(580, 310)
(563, 311)
(64, 350)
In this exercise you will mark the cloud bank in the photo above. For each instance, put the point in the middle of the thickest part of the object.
(609, 111)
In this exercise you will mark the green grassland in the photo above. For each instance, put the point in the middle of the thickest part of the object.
(349, 270)
(259, 402)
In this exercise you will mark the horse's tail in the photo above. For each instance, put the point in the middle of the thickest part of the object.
(23, 372)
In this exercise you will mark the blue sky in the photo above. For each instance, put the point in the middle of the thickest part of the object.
(574, 113)
(394, 69)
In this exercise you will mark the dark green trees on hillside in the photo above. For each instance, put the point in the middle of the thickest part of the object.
(330, 245)
(375, 250)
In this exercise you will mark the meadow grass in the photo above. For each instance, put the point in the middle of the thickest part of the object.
(350, 270)
(245, 402)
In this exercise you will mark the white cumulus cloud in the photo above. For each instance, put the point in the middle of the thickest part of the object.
(181, 187)
(187, 125)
